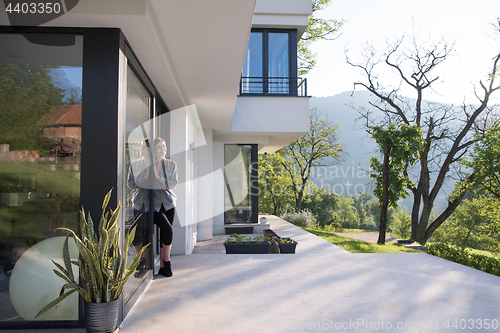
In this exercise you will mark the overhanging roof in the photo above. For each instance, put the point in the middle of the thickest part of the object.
(193, 51)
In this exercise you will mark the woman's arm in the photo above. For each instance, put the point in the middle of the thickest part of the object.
(171, 180)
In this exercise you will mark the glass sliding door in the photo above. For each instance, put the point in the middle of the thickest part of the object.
(40, 149)
(137, 155)
(240, 174)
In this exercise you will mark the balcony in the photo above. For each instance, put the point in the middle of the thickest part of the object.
(272, 86)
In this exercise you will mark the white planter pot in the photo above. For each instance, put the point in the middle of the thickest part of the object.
(263, 220)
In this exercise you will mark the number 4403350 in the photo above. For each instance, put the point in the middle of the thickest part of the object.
(478, 324)
(34, 8)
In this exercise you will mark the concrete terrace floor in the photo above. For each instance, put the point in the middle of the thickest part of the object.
(321, 288)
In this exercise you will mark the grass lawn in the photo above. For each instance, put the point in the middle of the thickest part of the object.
(356, 246)
(353, 231)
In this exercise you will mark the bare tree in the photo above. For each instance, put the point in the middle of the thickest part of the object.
(447, 129)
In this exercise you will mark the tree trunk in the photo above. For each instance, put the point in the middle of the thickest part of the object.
(385, 198)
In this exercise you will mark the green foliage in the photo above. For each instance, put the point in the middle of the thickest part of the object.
(322, 204)
(357, 246)
(237, 238)
(290, 168)
(302, 218)
(317, 29)
(275, 195)
(346, 213)
(102, 268)
(472, 225)
(26, 95)
(363, 210)
(402, 147)
(485, 162)
(401, 224)
(464, 257)
(285, 240)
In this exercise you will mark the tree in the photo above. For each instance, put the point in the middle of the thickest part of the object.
(400, 148)
(446, 131)
(26, 95)
(319, 147)
(346, 213)
(274, 194)
(485, 161)
(317, 29)
(322, 204)
(470, 226)
(361, 203)
(401, 223)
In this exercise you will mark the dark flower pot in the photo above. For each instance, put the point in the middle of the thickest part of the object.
(247, 248)
(101, 317)
(287, 247)
(405, 241)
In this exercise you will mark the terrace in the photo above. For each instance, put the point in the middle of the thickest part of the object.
(321, 288)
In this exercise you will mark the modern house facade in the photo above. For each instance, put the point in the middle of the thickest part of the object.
(217, 80)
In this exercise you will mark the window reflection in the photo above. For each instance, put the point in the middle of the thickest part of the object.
(238, 198)
(252, 82)
(137, 128)
(278, 63)
(40, 145)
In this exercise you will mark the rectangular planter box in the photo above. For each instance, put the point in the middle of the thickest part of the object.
(247, 248)
(239, 230)
(287, 247)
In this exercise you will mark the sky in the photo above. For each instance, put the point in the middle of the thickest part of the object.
(467, 22)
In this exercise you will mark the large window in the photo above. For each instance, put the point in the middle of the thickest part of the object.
(40, 146)
(240, 177)
(270, 66)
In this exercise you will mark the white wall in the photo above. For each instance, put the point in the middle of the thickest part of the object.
(184, 131)
(205, 184)
(282, 14)
(271, 114)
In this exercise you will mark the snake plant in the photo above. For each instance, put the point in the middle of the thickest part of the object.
(102, 268)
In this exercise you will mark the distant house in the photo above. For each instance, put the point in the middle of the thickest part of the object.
(63, 125)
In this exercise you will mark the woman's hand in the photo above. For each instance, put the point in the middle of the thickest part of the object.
(157, 168)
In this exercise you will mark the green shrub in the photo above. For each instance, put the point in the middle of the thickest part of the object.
(464, 257)
(302, 218)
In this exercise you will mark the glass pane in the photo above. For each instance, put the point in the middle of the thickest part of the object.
(237, 199)
(137, 164)
(279, 82)
(252, 68)
(40, 145)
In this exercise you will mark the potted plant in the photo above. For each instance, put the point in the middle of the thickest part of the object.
(263, 220)
(239, 244)
(270, 233)
(286, 245)
(102, 269)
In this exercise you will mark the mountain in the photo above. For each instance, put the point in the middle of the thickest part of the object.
(351, 176)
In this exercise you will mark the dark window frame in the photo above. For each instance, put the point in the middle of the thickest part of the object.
(100, 136)
(254, 179)
(292, 63)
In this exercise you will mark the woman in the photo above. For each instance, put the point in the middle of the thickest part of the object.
(161, 184)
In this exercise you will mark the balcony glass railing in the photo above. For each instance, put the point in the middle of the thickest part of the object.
(272, 86)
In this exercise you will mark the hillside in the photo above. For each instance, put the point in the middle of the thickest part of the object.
(350, 176)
